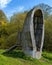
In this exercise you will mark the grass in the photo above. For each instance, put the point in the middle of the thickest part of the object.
(19, 58)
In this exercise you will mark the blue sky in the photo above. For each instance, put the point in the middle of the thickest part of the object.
(13, 6)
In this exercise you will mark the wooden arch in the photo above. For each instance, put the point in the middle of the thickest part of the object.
(33, 33)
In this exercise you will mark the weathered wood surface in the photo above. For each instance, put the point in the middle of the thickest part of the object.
(33, 33)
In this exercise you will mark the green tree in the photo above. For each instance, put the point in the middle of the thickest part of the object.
(48, 34)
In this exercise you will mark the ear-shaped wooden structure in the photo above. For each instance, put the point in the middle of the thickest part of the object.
(33, 33)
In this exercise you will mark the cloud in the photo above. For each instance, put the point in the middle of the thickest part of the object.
(20, 8)
(15, 10)
(3, 3)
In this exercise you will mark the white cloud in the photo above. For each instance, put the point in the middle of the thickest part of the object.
(20, 8)
(17, 9)
(3, 3)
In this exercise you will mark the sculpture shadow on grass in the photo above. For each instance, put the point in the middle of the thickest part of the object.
(17, 54)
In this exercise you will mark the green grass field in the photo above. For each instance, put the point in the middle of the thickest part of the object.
(19, 58)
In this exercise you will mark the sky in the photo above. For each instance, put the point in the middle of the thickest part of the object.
(14, 6)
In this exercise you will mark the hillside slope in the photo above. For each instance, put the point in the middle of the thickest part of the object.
(18, 58)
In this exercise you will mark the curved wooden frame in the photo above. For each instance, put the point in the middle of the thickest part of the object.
(29, 37)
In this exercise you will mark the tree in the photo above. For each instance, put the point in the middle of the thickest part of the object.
(48, 34)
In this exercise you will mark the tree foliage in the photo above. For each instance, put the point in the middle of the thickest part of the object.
(9, 30)
(48, 34)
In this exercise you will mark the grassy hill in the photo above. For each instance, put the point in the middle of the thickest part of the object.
(19, 58)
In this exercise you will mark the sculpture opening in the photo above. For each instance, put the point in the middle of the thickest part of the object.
(38, 28)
